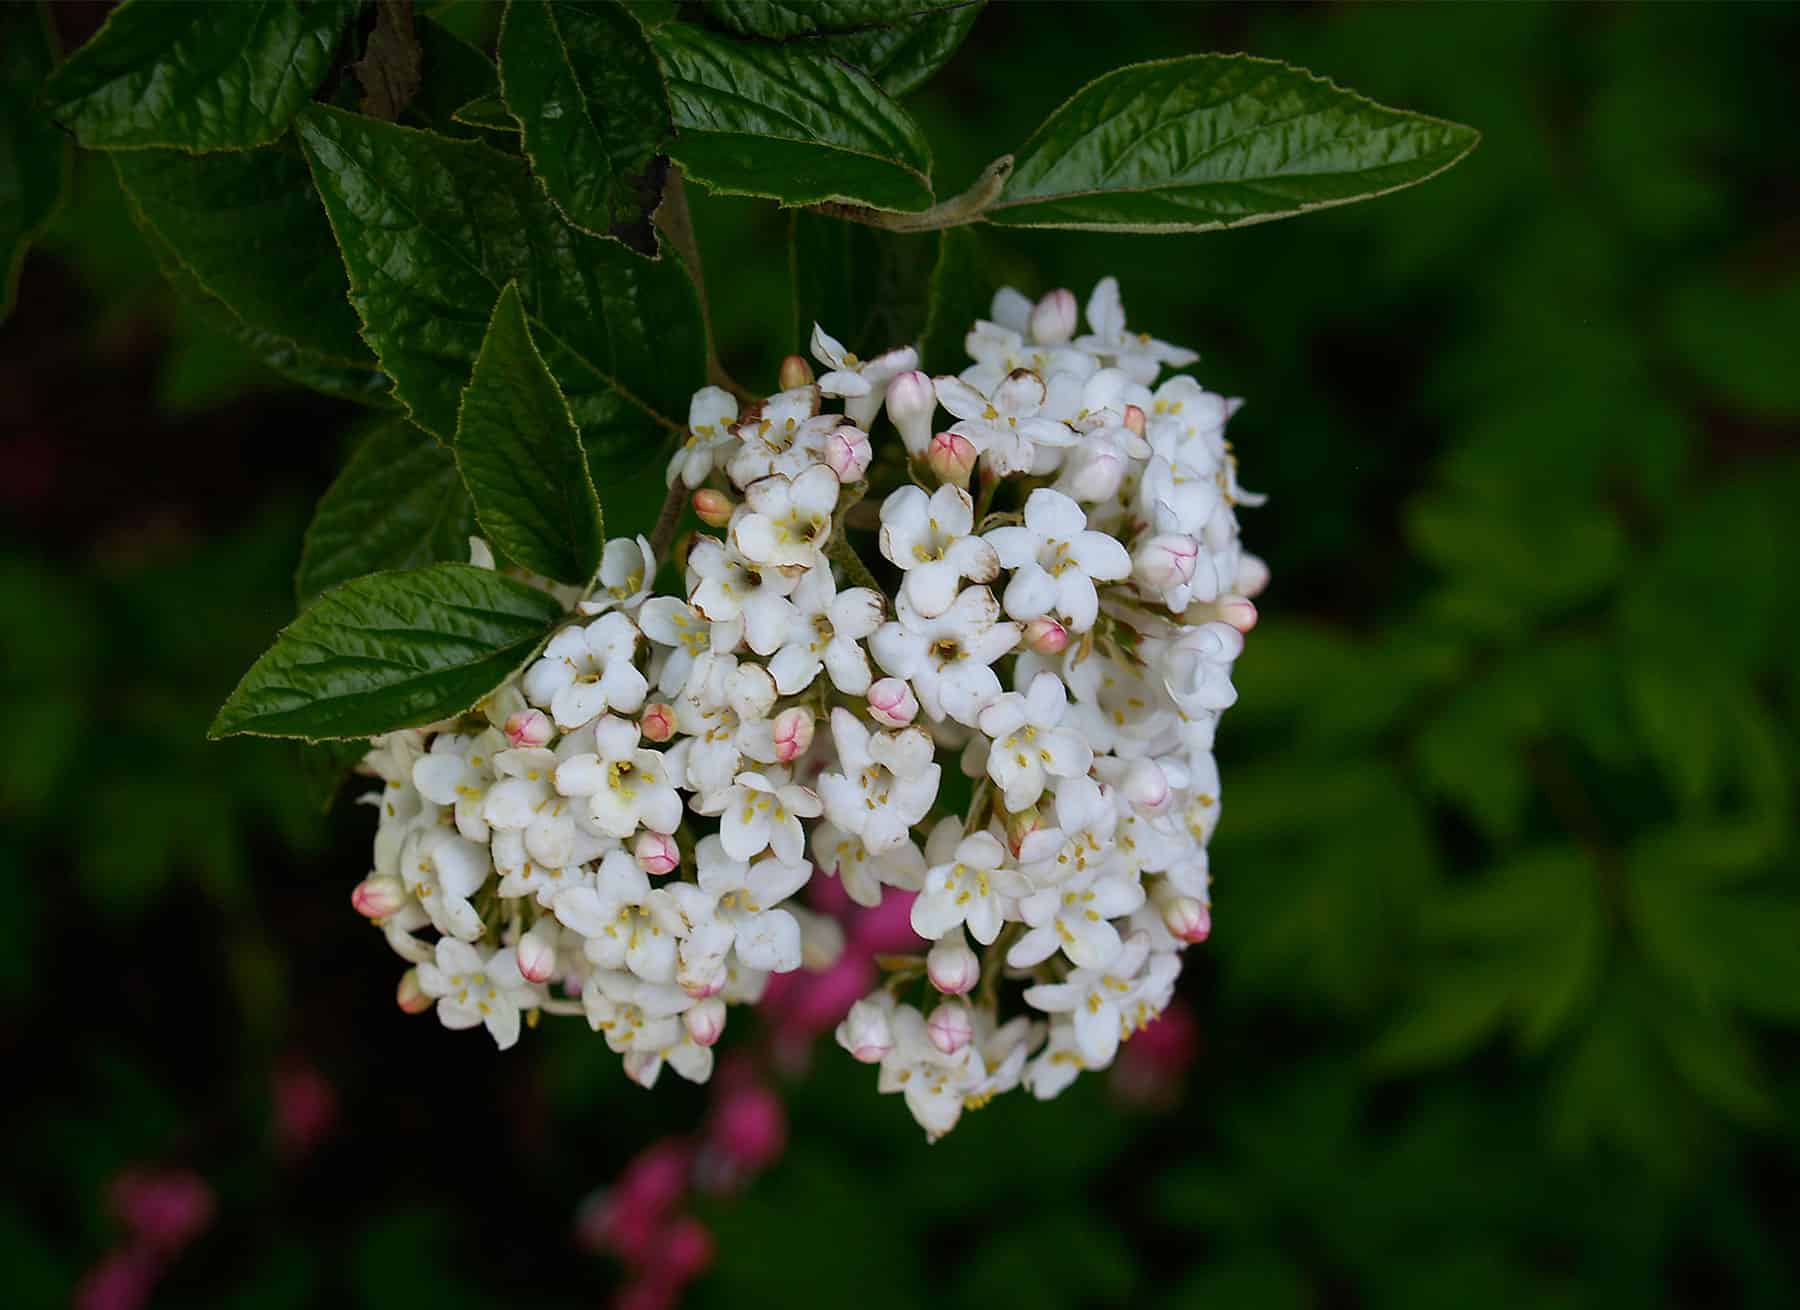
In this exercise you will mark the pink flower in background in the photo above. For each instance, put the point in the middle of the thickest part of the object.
(1152, 1065)
(121, 1281)
(162, 1209)
(306, 1110)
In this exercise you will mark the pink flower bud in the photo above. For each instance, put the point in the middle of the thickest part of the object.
(847, 453)
(795, 371)
(866, 1032)
(891, 702)
(1093, 474)
(911, 404)
(528, 729)
(1020, 824)
(687, 1250)
(793, 733)
(378, 895)
(748, 1129)
(713, 507)
(1252, 575)
(657, 722)
(1187, 918)
(536, 953)
(1134, 419)
(949, 1027)
(1053, 318)
(952, 966)
(951, 458)
(1046, 636)
(1146, 786)
(1238, 611)
(705, 1021)
(656, 853)
(410, 995)
(1166, 560)
(162, 1208)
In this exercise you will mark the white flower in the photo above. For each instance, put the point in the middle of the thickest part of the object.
(1030, 746)
(476, 989)
(443, 871)
(736, 905)
(844, 855)
(1075, 918)
(587, 671)
(1081, 842)
(786, 435)
(861, 383)
(828, 625)
(886, 781)
(761, 812)
(634, 1016)
(723, 700)
(1056, 560)
(1007, 428)
(1096, 1000)
(521, 876)
(457, 771)
(785, 521)
(625, 786)
(1057, 1065)
(1196, 666)
(927, 538)
(711, 414)
(976, 888)
(671, 622)
(932, 1083)
(948, 659)
(525, 799)
(1138, 354)
(687, 1057)
(867, 1031)
(627, 569)
(627, 923)
(739, 597)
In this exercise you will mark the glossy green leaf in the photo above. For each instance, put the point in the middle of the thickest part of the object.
(581, 81)
(198, 77)
(488, 113)
(1213, 141)
(521, 456)
(390, 650)
(454, 74)
(34, 154)
(787, 123)
(622, 335)
(900, 43)
(398, 504)
(250, 229)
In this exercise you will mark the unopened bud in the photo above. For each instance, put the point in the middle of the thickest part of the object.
(713, 507)
(1053, 318)
(1186, 918)
(703, 977)
(378, 895)
(891, 702)
(952, 966)
(1093, 474)
(686, 1251)
(1238, 611)
(866, 1033)
(1020, 824)
(1046, 636)
(911, 404)
(793, 733)
(705, 1021)
(847, 453)
(1165, 560)
(951, 458)
(1252, 575)
(1134, 419)
(410, 995)
(795, 371)
(643, 1067)
(536, 952)
(528, 729)
(1146, 786)
(656, 853)
(949, 1027)
(657, 722)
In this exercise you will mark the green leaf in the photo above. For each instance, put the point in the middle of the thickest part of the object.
(585, 88)
(488, 113)
(391, 650)
(1214, 141)
(1736, 339)
(788, 124)
(521, 456)
(34, 155)
(398, 504)
(250, 229)
(900, 43)
(622, 335)
(863, 285)
(963, 283)
(455, 74)
(197, 77)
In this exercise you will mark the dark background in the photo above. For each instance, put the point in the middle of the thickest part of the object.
(1501, 1002)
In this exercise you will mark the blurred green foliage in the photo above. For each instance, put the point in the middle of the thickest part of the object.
(1502, 1000)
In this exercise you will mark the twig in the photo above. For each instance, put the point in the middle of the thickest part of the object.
(664, 532)
(954, 212)
(677, 224)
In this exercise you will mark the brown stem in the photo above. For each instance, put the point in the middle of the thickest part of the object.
(664, 532)
(954, 212)
(677, 224)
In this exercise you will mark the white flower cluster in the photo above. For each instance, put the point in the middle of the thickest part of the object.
(1017, 647)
